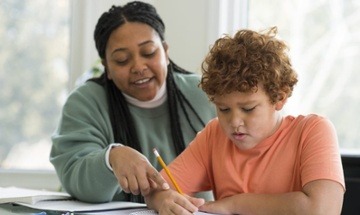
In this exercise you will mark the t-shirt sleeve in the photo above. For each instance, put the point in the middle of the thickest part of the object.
(190, 168)
(320, 157)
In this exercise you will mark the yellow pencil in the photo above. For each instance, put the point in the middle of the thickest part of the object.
(162, 163)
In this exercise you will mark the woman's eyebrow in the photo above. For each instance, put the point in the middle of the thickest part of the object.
(140, 44)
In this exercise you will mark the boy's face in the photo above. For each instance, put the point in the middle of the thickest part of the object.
(248, 118)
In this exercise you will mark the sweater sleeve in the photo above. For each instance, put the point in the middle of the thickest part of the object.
(79, 146)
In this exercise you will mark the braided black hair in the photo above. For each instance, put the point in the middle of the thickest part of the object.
(121, 120)
(117, 16)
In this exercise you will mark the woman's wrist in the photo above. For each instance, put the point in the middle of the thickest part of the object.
(107, 154)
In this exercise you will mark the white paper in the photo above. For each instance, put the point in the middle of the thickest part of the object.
(77, 206)
(30, 196)
(152, 212)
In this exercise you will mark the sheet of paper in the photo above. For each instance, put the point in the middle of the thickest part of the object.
(135, 212)
(77, 206)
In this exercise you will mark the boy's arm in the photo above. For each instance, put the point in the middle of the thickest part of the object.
(318, 197)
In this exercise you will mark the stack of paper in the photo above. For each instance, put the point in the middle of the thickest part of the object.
(28, 196)
(57, 201)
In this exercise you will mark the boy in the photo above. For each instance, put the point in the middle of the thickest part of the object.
(255, 160)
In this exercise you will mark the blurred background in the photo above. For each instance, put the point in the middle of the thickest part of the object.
(47, 49)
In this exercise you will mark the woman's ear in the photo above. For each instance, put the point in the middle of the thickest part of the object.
(166, 49)
(103, 62)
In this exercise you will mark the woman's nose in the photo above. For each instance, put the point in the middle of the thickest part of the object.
(138, 65)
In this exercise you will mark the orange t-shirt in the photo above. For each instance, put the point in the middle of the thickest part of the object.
(302, 150)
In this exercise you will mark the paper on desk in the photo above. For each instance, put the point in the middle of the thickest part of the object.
(77, 206)
(152, 212)
(30, 196)
(143, 211)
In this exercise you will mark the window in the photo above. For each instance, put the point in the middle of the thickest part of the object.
(34, 52)
(324, 40)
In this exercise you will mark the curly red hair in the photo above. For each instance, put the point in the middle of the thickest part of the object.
(247, 60)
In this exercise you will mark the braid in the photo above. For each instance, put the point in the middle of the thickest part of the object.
(176, 132)
(183, 99)
(174, 96)
(124, 132)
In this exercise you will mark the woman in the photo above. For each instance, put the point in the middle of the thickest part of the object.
(102, 149)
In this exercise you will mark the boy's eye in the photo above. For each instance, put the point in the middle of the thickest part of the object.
(223, 109)
(248, 109)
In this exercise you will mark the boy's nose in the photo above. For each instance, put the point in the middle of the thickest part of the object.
(236, 120)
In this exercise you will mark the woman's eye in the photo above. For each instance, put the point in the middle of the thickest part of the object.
(121, 62)
(149, 54)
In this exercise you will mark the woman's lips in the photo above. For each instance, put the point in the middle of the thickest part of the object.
(142, 81)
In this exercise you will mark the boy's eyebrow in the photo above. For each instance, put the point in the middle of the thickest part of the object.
(239, 103)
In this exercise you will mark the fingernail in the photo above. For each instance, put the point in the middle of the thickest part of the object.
(165, 186)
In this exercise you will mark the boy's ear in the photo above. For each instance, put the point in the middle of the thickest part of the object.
(280, 104)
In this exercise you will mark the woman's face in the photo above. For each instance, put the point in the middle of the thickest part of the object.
(248, 118)
(136, 60)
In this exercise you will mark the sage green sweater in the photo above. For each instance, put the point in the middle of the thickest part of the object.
(84, 134)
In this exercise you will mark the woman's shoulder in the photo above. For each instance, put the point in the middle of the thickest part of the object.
(88, 92)
(186, 81)
(89, 88)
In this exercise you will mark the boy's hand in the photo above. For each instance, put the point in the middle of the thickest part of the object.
(171, 202)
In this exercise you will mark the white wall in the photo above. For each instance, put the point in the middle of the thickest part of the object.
(42, 179)
(186, 30)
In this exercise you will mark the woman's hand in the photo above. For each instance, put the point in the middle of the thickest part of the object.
(171, 202)
(134, 172)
